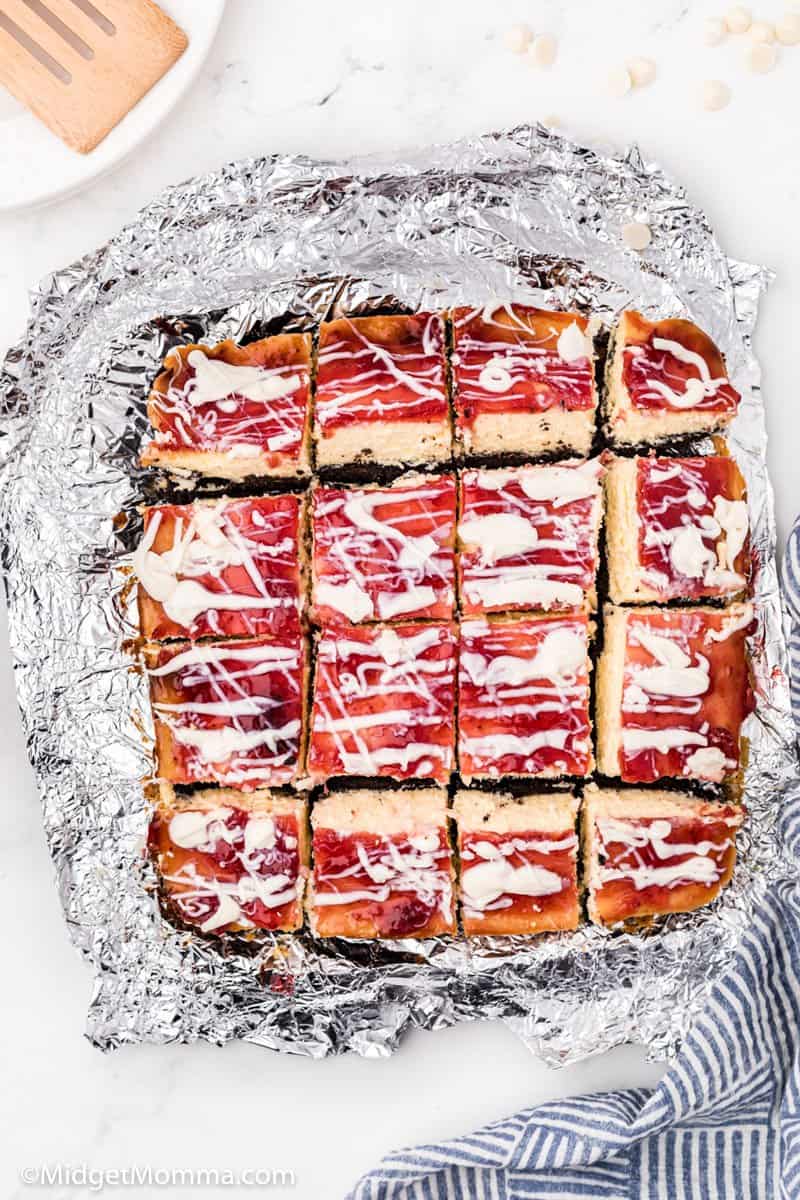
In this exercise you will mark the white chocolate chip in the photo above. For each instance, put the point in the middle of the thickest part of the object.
(788, 29)
(518, 38)
(642, 71)
(715, 31)
(636, 235)
(761, 58)
(738, 19)
(618, 82)
(716, 95)
(542, 50)
(762, 31)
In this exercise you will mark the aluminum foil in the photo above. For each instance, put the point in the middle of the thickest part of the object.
(524, 215)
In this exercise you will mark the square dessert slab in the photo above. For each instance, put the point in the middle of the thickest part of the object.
(518, 862)
(523, 380)
(676, 529)
(384, 702)
(383, 866)
(221, 568)
(381, 393)
(233, 411)
(527, 538)
(523, 697)
(229, 712)
(648, 852)
(384, 553)
(673, 691)
(230, 861)
(664, 379)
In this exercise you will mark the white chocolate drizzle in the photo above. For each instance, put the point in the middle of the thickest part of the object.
(212, 410)
(383, 703)
(258, 738)
(495, 374)
(386, 383)
(529, 536)
(705, 543)
(483, 885)
(252, 843)
(205, 545)
(699, 865)
(522, 693)
(698, 391)
(367, 565)
(417, 866)
(215, 381)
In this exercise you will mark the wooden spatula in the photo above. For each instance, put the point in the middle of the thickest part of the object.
(81, 65)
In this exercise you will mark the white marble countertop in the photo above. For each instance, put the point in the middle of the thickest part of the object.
(354, 78)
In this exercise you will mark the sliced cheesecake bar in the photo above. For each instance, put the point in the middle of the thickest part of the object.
(523, 697)
(232, 411)
(381, 393)
(229, 712)
(648, 852)
(523, 380)
(518, 856)
(676, 529)
(384, 700)
(383, 865)
(220, 568)
(527, 538)
(664, 379)
(385, 553)
(230, 861)
(672, 692)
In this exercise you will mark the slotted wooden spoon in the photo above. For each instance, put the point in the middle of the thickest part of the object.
(81, 65)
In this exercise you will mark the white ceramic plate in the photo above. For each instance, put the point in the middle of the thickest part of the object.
(36, 168)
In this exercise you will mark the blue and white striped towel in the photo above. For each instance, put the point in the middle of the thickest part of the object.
(723, 1124)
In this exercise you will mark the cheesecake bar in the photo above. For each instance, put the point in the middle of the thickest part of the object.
(229, 712)
(384, 699)
(527, 538)
(648, 852)
(672, 692)
(384, 553)
(220, 568)
(230, 861)
(518, 855)
(523, 380)
(523, 697)
(383, 867)
(233, 411)
(664, 379)
(381, 394)
(676, 529)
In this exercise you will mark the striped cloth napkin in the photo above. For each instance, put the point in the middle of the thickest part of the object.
(723, 1124)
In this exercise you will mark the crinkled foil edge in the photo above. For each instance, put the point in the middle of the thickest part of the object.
(523, 214)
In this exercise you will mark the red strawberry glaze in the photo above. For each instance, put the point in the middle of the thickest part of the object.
(684, 717)
(676, 494)
(204, 561)
(381, 369)
(655, 374)
(230, 869)
(229, 712)
(239, 423)
(506, 359)
(383, 702)
(524, 697)
(376, 885)
(382, 553)
(549, 565)
(656, 865)
(551, 901)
